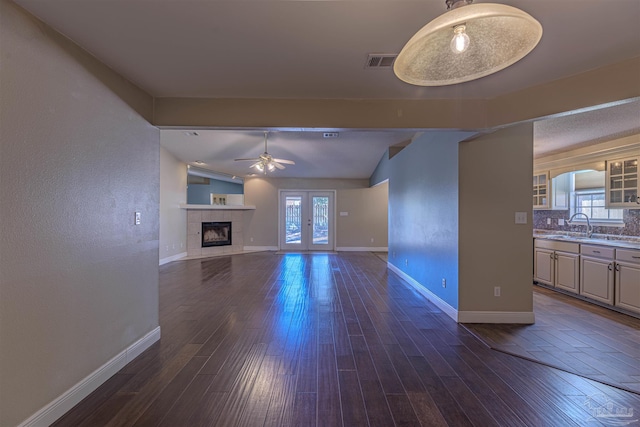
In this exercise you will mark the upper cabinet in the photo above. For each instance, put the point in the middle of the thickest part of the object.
(541, 191)
(551, 194)
(622, 183)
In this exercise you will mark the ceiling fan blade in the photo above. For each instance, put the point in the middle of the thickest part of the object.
(247, 160)
(278, 165)
(286, 162)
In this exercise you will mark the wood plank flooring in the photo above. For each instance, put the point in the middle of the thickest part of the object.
(576, 336)
(326, 340)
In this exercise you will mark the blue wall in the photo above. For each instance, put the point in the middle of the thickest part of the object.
(423, 212)
(199, 194)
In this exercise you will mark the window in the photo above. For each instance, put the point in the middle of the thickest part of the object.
(591, 203)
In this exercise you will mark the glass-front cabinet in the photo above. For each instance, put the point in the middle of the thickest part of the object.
(622, 183)
(541, 191)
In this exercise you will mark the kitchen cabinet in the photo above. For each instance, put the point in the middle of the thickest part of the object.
(541, 191)
(557, 264)
(627, 281)
(551, 193)
(622, 183)
(597, 272)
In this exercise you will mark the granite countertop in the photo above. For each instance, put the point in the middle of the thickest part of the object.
(628, 242)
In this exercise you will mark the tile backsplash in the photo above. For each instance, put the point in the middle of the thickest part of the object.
(631, 218)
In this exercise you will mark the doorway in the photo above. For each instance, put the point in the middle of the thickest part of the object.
(307, 220)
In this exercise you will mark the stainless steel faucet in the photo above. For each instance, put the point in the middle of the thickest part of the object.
(589, 227)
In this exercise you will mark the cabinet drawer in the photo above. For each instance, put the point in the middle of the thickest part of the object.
(597, 251)
(570, 247)
(628, 255)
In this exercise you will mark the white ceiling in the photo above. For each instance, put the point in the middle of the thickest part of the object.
(317, 49)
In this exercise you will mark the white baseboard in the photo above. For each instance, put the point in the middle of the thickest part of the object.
(260, 248)
(62, 404)
(172, 258)
(439, 302)
(518, 317)
(362, 249)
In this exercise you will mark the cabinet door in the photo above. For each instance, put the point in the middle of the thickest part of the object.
(541, 191)
(544, 262)
(628, 286)
(622, 183)
(596, 279)
(567, 271)
(560, 192)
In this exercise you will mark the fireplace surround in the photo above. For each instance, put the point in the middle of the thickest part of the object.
(216, 234)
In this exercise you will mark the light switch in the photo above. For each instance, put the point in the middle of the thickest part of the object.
(560, 221)
(521, 217)
(344, 213)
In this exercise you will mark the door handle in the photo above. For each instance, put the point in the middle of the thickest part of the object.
(617, 266)
(610, 267)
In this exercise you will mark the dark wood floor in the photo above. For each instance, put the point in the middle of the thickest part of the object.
(576, 336)
(326, 340)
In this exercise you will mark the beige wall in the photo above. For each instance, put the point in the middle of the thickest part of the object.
(594, 87)
(367, 219)
(494, 177)
(79, 281)
(173, 219)
(366, 207)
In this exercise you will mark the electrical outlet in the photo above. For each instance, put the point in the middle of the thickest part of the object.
(394, 254)
(444, 282)
(406, 262)
(560, 221)
(251, 239)
(372, 240)
(496, 291)
(548, 221)
(137, 218)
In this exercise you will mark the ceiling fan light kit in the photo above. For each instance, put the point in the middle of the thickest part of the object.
(467, 42)
(265, 162)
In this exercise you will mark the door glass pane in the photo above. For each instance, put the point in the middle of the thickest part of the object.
(293, 219)
(320, 220)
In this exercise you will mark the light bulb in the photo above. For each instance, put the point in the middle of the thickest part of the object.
(271, 167)
(260, 167)
(460, 41)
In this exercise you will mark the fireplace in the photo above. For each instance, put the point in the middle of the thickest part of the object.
(216, 234)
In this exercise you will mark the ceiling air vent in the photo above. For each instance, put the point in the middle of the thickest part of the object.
(376, 60)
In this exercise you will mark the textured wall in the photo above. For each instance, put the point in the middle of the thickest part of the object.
(173, 192)
(495, 171)
(423, 212)
(79, 280)
(261, 225)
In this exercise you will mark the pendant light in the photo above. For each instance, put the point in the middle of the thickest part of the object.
(467, 42)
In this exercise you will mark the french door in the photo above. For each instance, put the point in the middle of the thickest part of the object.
(306, 220)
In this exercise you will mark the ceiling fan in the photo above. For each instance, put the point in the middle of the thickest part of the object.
(265, 162)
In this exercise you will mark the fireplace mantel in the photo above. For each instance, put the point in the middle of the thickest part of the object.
(219, 207)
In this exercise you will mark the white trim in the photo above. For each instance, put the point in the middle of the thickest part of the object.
(218, 207)
(167, 260)
(362, 249)
(519, 317)
(439, 302)
(63, 403)
(259, 248)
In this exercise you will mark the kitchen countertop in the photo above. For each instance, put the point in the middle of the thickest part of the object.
(626, 242)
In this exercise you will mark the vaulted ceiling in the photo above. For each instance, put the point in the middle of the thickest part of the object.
(317, 50)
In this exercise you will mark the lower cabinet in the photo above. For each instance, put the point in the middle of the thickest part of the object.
(627, 283)
(602, 273)
(567, 272)
(597, 273)
(557, 264)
